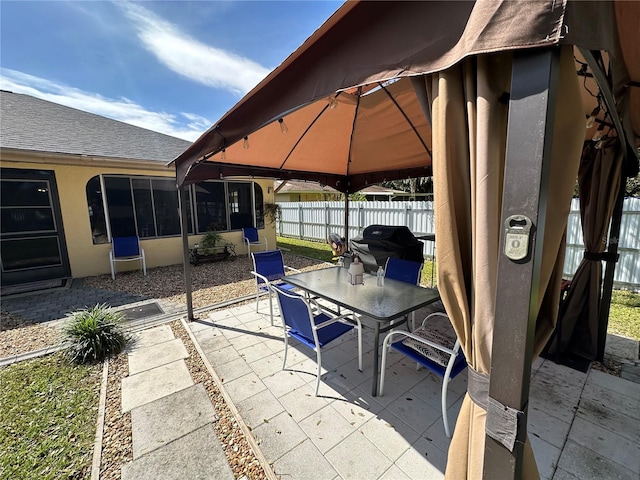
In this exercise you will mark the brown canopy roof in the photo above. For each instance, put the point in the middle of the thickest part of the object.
(383, 47)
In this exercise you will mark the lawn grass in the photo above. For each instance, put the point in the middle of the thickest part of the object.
(49, 409)
(318, 250)
(624, 317)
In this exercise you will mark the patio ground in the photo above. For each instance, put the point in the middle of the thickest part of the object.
(581, 425)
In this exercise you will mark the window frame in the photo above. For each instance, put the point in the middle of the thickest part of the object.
(192, 210)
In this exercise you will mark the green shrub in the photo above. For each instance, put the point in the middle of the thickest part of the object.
(95, 333)
(210, 239)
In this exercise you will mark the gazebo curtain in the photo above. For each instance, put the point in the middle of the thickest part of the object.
(470, 116)
(599, 179)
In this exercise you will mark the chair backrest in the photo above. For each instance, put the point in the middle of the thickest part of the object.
(295, 312)
(269, 264)
(403, 270)
(250, 233)
(126, 247)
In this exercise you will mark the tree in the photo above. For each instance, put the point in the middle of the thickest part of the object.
(356, 197)
(633, 187)
(411, 185)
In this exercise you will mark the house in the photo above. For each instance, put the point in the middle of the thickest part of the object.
(307, 191)
(72, 180)
(303, 191)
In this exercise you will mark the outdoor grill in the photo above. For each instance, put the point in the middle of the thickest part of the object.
(379, 242)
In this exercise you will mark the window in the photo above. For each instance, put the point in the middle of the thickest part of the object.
(144, 207)
(240, 205)
(96, 211)
(166, 207)
(149, 206)
(259, 203)
(120, 202)
(211, 209)
(26, 207)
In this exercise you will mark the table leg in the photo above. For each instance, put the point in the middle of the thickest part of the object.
(376, 347)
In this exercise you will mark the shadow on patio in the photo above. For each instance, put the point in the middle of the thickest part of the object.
(581, 425)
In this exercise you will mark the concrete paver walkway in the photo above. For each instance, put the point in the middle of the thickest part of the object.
(171, 418)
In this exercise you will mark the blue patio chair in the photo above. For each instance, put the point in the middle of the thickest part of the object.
(435, 346)
(404, 271)
(126, 249)
(252, 239)
(315, 329)
(269, 269)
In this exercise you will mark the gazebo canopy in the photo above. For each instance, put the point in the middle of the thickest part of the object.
(332, 85)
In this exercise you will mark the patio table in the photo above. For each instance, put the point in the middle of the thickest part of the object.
(393, 301)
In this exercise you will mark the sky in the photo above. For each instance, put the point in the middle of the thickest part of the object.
(174, 67)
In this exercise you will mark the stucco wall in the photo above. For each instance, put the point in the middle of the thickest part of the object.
(87, 259)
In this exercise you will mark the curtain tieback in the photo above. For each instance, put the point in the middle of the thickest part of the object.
(503, 422)
(478, 387)
(598, 257)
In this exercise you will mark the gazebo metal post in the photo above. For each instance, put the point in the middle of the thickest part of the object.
(594, 59)
(610, 269)
(346, 220)
(184, 227)
(526, 179)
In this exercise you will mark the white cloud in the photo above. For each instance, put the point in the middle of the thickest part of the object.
(190, 58)
(185, 125)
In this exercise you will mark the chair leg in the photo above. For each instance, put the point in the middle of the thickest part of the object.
(385, 349)
(111, 264)
(286, 349)
(360, 349)
(257, 299)
(319, 360)
(445, 384)
(271, 306)
(445, 419)
(144, 266)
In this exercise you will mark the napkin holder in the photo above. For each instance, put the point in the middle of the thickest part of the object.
(355, 274)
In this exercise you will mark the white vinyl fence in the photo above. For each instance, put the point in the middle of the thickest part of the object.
(316, 220)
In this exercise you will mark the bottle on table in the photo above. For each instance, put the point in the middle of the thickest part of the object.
(380, 276)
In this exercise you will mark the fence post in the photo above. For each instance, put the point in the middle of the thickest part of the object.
(408, 216)
(300, 221)
(326, 220)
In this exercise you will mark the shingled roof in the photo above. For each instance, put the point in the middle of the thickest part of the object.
(31, 124)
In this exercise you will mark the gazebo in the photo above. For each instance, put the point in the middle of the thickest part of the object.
(492, 99)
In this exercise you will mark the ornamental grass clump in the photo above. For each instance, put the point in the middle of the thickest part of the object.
(95, 333)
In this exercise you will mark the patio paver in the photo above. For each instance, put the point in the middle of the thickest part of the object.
(164, 420)
(399, 435)
(153, 384)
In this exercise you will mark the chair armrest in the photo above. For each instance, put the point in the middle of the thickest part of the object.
(257, 275)
(292, 269)
(435, 314)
